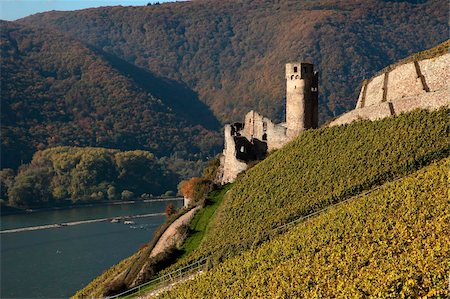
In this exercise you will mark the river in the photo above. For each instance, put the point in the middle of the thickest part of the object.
(56, 262)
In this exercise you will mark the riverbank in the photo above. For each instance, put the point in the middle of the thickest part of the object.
(8, 210)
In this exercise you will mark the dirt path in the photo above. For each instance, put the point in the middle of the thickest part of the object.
(171, 236)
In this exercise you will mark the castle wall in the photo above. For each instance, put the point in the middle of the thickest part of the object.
(276, 136)
(263, 129)
(231, 166)
(436, 72)
(421, 84)
(374, 93)
(403, 82)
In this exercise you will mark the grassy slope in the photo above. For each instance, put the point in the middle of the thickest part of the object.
(391, 243)
(200, 223)
(318, 168)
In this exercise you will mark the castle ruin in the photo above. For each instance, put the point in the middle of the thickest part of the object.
(253, 139)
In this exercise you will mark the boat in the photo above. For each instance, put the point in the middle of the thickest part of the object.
(128, 222)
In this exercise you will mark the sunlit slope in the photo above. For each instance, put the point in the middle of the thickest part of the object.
(391, 243)
(319, 168)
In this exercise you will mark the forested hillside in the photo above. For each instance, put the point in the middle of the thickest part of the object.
(391, 243)
(58, 91)
(233, 52)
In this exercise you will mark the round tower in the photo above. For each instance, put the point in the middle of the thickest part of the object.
(301, 98)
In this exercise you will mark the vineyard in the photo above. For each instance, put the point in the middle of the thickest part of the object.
(319, 168)
(391, 243)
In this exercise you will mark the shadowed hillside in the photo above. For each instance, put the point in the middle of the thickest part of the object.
(57, 91)
(232, 53)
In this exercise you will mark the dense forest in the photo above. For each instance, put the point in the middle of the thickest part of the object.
(58, 91)
(233, 52)
(66, 175)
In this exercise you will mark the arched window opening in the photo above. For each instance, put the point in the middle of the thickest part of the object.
(295, 69)
(264, 137)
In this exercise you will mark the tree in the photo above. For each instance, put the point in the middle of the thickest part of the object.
(127, 195)
(112, 193)
(6, 182)
(195, 189)
(170, 209)
(31, 187)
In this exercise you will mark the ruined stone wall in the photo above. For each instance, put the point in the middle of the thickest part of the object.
(263, 129)
(276, 136)
(417, 84)
(231, 166)
(260, 135)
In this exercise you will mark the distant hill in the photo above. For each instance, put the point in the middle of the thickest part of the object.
(59, 91)
(233, 52)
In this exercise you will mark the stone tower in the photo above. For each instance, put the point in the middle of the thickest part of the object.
(301, 98)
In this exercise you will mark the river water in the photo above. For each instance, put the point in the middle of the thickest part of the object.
(56, 262)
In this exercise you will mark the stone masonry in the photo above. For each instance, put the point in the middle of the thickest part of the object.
(253, 139)
(402, 88)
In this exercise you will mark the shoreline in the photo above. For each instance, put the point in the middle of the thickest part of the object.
(18, 211)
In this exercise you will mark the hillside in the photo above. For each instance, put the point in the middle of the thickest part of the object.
(232, 53)
(59, 91)
(391, 243)
(317, 169)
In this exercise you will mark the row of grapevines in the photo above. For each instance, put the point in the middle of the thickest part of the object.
(391, 243)
(319, 168)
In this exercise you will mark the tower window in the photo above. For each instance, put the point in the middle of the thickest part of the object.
(264, 137)
(295, 69)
